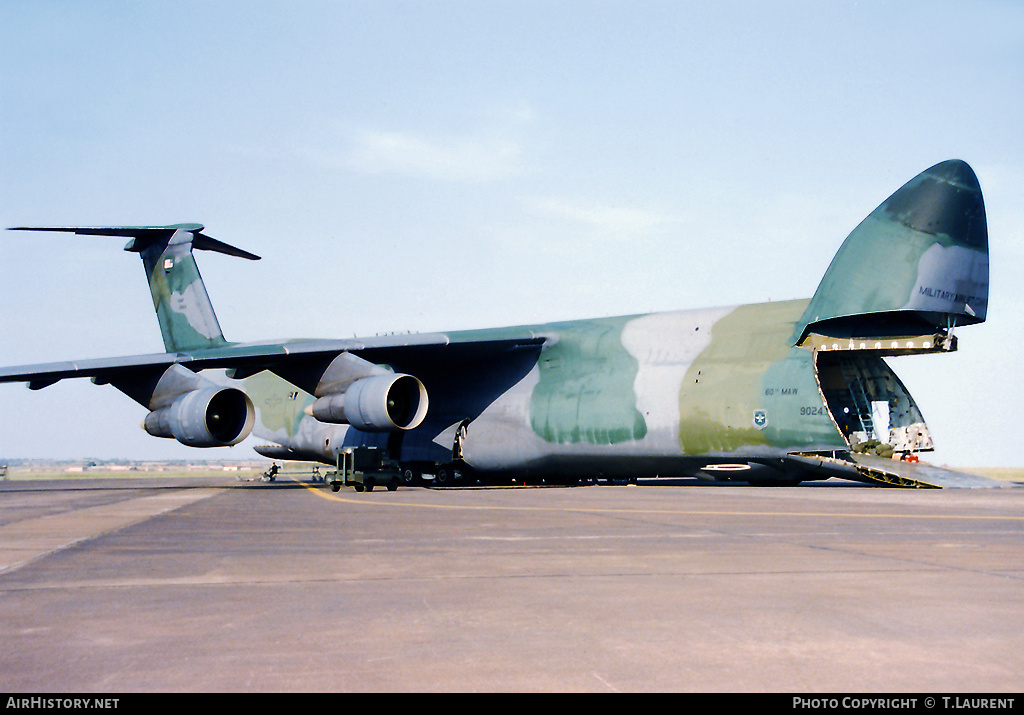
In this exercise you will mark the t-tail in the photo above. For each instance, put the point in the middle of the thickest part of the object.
(183, 307)
(916, 267)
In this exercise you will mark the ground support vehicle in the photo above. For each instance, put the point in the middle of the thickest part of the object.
(364, 468)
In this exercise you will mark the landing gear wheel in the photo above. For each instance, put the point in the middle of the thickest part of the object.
(410, 476)
(443, 477)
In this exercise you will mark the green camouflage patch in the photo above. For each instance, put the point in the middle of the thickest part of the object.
(585, 393)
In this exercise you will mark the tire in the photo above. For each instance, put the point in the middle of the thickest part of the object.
(410, 476)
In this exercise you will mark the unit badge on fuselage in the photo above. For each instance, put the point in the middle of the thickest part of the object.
(760, 419)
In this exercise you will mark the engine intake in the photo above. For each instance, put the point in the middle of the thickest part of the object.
(382, 403)
(208, 417)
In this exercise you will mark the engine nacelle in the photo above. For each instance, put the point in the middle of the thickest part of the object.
(382, 403)
(207, 417)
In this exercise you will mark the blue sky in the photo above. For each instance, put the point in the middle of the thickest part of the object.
(417, 166)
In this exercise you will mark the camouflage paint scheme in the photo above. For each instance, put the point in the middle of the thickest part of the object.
(665, 386)
(755, 387)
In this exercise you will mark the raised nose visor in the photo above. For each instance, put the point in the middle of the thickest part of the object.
(916, 266)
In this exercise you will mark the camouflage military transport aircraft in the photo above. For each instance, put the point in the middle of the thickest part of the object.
(772, 393)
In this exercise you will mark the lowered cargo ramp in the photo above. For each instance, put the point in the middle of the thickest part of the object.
(921, 475)
(872, 469)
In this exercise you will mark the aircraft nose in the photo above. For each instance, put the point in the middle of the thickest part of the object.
(943, 201)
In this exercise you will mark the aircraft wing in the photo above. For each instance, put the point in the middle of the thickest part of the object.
(286, 358)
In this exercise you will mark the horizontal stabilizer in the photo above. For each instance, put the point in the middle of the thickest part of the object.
(144, 236)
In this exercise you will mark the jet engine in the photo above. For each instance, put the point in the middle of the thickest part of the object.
(386, 402)
(206, 417)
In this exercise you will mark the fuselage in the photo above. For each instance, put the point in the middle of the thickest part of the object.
(661, 394)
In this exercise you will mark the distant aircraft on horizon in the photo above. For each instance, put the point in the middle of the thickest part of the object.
(771, 393)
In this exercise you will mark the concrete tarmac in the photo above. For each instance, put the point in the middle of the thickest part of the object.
(215, 585)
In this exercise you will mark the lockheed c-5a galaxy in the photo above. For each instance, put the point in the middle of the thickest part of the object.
(771, 393)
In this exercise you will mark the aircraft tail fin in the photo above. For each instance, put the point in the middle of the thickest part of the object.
(918, 263)
(183, 307)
